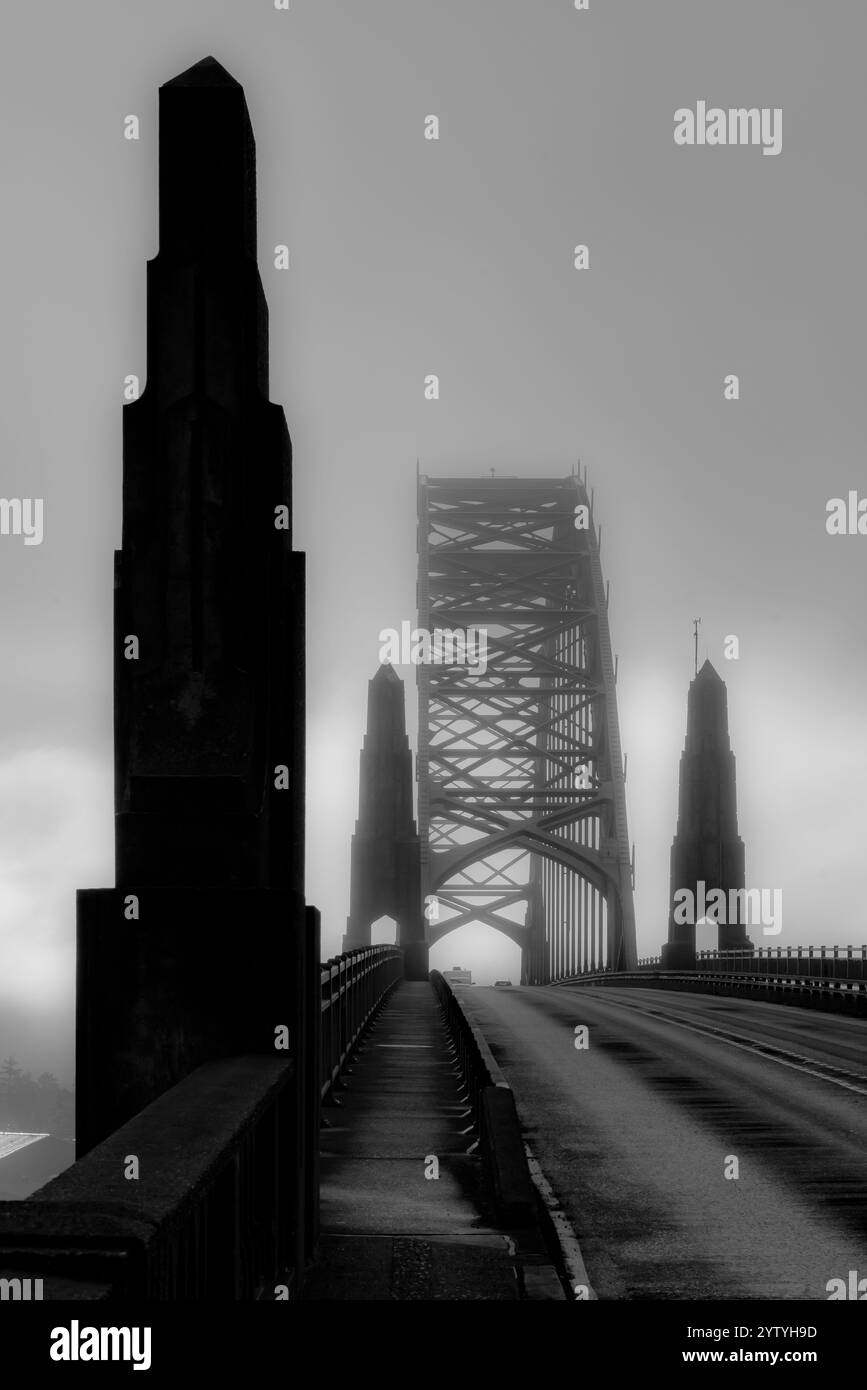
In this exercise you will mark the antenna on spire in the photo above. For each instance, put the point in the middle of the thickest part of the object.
(696, 624)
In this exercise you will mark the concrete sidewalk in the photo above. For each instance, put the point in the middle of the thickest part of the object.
(388, 1231)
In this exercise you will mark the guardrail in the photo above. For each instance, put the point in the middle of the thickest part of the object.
(834, 993)
(826, 962)
(352, 987)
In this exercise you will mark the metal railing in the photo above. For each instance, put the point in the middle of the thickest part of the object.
(352, 988)
(821, 962)
(834, 992)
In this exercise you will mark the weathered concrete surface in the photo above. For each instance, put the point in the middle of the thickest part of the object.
(390, 1233)
(92, 1230)
(430, 1268)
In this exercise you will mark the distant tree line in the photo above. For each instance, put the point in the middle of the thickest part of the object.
(40, 1106)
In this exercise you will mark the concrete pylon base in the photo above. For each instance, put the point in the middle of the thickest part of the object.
(416, 963)
(678, 955)
(197, 974)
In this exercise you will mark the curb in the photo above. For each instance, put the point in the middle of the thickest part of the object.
(524, 1204)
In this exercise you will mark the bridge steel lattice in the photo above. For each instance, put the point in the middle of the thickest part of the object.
(522, 804)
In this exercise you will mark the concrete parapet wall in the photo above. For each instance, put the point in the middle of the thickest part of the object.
(494, 1109)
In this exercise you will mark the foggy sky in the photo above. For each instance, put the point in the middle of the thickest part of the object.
(411, 257)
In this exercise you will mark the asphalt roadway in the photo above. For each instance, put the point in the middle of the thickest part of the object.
(636, 1132)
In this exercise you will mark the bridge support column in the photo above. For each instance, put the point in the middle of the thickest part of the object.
(197, 953)
(678, 955)
(707, 853)
(385, 878)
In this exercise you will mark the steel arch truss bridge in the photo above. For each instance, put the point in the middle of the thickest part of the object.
(522, 806)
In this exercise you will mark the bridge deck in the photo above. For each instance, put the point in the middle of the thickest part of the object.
(388, 1231)
(637, 1133)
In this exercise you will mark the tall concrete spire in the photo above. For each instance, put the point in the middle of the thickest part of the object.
(707, 848)
(203, 577)
(192, 955)
(207, 165)
(385, 876)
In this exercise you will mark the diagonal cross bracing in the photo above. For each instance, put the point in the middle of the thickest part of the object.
(522, 806)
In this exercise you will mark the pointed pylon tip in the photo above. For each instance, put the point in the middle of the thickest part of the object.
(386, 672)
(709, 671)
(206, 73)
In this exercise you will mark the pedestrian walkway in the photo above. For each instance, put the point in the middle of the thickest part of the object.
(405, 1214)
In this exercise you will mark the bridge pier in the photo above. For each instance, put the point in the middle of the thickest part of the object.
(385, 876)
(707, 852)
(188, 958)
(198, 988)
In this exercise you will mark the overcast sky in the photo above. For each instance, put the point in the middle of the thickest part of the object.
(455, 257)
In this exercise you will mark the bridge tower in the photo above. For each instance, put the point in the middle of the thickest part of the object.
(707, 847)
(199, 951)
(522, 804)
(385, 847)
